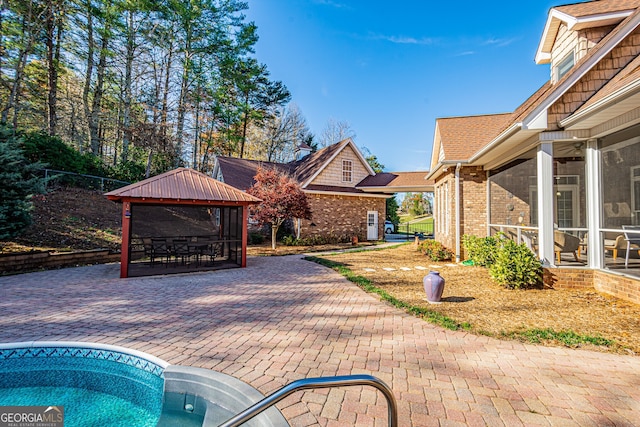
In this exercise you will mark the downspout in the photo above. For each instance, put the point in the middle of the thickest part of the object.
(458, 212)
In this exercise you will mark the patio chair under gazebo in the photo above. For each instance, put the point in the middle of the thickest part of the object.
(182, 221)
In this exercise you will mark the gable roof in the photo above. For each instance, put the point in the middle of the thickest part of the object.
(309, 167)
(240, 172)
(593, 57)
(461, 137)
(581, 15)
(305, 169)
(181, 185)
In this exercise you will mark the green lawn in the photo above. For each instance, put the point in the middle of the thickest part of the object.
(418, 220)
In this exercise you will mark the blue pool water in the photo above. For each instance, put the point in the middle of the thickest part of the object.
(96, 387)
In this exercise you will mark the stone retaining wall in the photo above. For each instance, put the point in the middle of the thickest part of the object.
(27, 261)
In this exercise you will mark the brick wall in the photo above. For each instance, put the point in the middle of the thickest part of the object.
(444, 217)
(473, 196)
(619, 286)
(342, 216)
(622, 287)
(568, 278)
(473, 200)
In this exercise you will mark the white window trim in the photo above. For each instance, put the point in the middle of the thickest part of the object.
(347, 167)
(564, 61)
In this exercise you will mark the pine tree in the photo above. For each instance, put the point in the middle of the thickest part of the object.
(19, 183)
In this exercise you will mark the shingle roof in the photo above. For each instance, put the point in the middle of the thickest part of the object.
(240, 172)
(396, 179)
(309, 165)
(181, 184)
(579, 10)
(461, 137)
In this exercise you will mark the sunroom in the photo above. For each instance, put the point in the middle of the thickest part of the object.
(573, 200)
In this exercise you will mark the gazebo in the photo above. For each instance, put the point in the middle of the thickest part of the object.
(182, 221)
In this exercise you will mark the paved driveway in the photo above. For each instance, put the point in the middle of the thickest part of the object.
(283, 319)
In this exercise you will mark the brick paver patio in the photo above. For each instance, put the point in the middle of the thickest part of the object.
(282, 319)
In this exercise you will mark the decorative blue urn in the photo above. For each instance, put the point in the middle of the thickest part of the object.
(433, 286)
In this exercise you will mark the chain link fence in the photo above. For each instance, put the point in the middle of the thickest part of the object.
(59, 178)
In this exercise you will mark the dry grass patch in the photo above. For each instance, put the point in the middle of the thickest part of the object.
(470, 296)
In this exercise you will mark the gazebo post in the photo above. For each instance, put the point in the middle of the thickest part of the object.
(126, 238)
(245, 232)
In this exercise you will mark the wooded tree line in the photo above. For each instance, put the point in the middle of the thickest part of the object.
(159, 83)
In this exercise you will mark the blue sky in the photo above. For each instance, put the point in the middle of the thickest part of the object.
(391, 68)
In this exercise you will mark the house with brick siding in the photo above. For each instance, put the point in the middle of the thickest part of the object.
(561, 173)
(347, 198)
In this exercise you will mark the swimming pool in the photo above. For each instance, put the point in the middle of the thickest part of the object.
(91, 382)
(114, 386)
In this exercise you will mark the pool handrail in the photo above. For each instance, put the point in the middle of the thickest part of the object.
(314, 383)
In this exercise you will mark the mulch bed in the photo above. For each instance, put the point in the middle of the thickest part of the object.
(471, 296)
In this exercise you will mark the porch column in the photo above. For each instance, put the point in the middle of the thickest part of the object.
(595, 247)
(545, 203)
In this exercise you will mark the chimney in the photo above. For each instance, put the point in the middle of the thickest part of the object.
(302, 151)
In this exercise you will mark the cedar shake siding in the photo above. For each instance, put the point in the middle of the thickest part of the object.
(594, 80)
(578, 42)
(332, 174)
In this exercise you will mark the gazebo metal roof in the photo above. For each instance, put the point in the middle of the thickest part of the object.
(181, 186)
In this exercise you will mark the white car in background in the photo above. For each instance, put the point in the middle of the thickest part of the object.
(389, 227)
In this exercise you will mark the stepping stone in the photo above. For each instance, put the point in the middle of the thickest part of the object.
(419, 267)
(451, 265)
(405, 269)
(370, 270)
(389, 269)
(435, 266)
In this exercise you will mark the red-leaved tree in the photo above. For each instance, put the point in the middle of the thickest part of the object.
(282, 199)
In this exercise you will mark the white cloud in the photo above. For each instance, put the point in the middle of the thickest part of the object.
(332, 3)
(402, 39)
(498, 42)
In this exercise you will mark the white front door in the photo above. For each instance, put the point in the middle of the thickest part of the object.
(372, 225)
